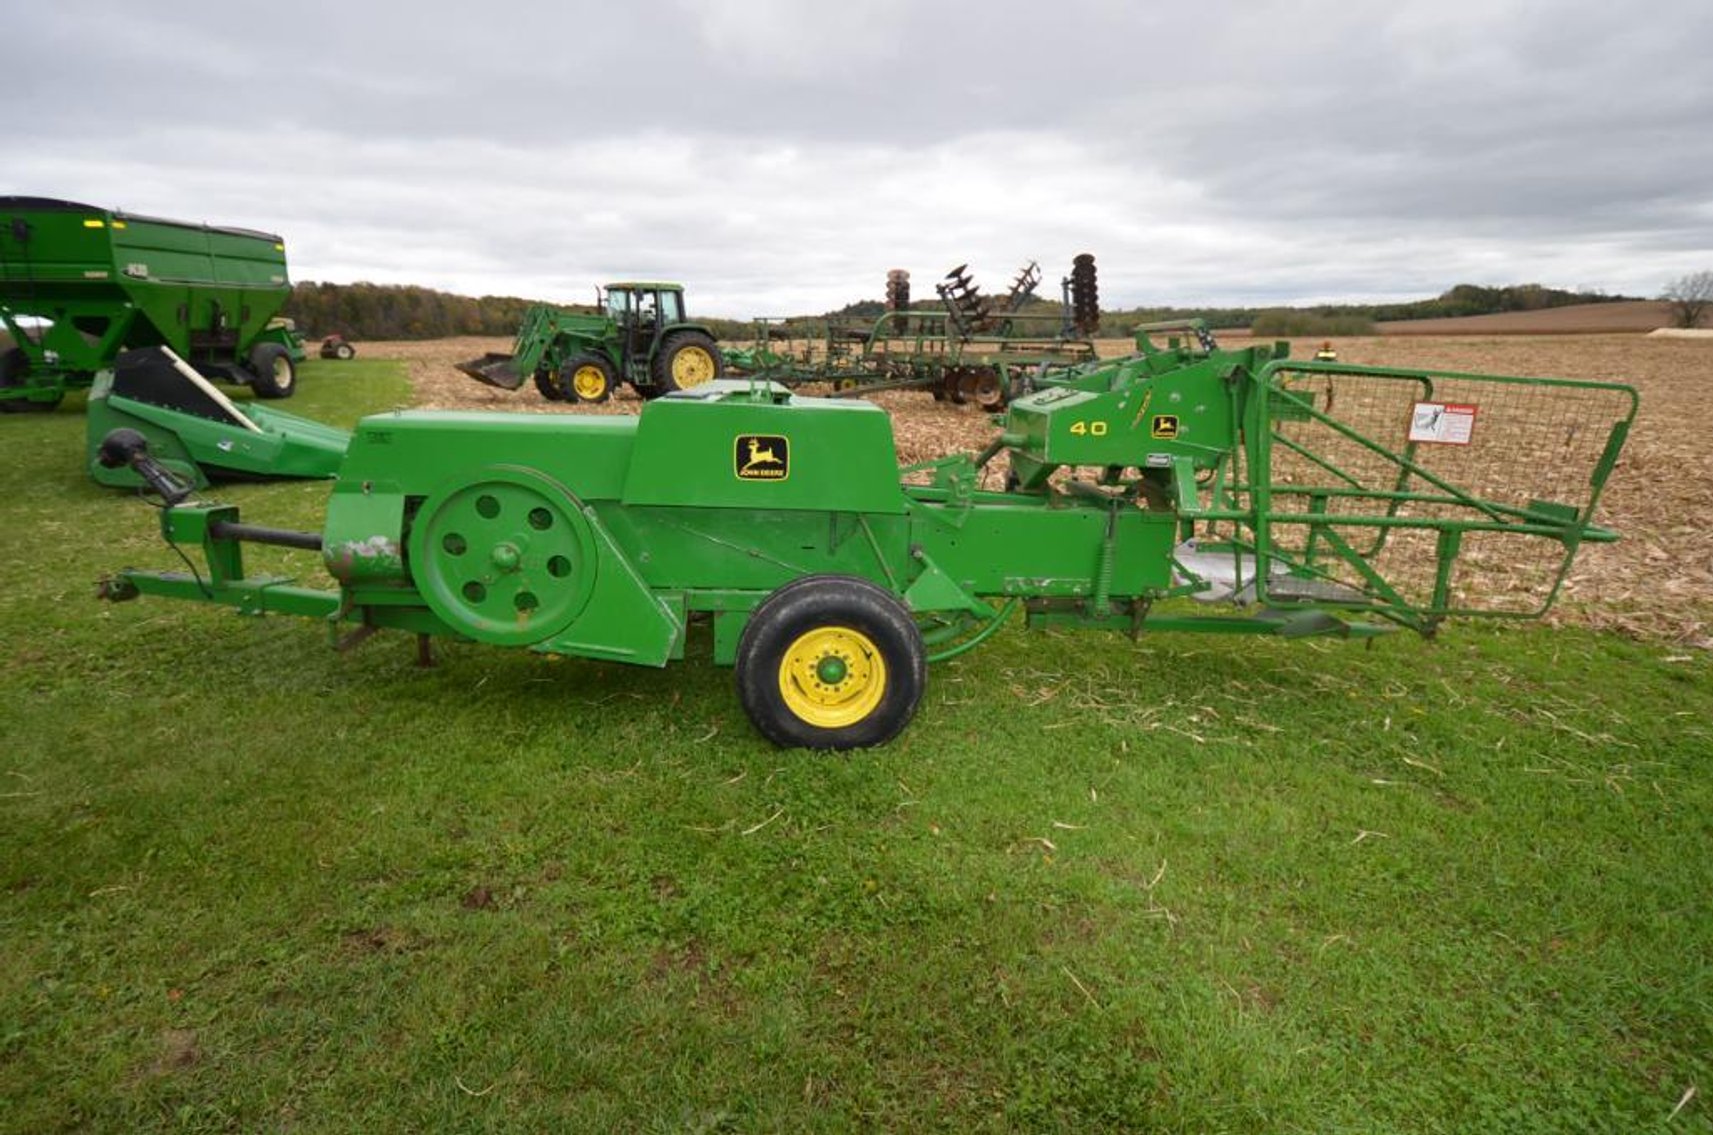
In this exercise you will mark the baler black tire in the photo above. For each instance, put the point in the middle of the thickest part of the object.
(344, 351)
(840, 609)
(273, 373)
(547, 385)
(14, 364)
(667, 376)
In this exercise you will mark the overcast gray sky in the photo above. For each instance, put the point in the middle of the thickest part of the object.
(779, 156)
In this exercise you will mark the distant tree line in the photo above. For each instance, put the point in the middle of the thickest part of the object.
(1354, 319)
(1326, 319)
(391, 311)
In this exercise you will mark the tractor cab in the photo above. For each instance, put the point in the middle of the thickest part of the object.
(658, 350)
(642, 312)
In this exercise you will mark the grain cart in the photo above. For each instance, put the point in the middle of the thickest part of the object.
(641, 337)
(1303, 498)
(79, 284)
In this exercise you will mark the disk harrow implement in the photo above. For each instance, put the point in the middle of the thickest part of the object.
(970, 348)
(1303, 498)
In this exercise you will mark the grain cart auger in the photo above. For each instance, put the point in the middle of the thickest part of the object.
(1327, 499)
(641, 337)
(79, 284)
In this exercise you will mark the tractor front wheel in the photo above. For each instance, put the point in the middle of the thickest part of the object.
(831, 662)
(547, 385)
(588, 378)
(275, 373)
(686, 360)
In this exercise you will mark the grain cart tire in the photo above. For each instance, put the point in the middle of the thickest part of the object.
(504, 555)
(831, 662)
(547, 385)
(14, 365)
(686, 360)
(588, 378)
(275, 375)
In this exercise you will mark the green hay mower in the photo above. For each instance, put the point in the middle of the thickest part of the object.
(197, 433)
(79, 284)
(1300, 498)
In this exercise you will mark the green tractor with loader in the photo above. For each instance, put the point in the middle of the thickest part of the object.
(79, 284)
(1295, 498)
(641, 336)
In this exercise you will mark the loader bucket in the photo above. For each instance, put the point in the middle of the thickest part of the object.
(495, 370)
(197, 432)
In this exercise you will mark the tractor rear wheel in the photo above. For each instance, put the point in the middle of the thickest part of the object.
(275, 373)
(588, 378)
(685, 361)
(14, 365)
(831, 662)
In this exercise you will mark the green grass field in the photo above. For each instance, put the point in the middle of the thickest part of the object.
(1185, 884)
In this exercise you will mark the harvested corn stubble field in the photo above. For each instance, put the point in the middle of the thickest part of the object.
(1656, 583)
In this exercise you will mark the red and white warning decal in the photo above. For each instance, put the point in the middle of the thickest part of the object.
(1442, 423)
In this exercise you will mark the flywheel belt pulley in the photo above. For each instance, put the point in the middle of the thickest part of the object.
(504, 555)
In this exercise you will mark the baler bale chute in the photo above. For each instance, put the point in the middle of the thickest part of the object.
(79, 284)
(1308, 498)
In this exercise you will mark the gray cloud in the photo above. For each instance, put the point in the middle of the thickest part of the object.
(781, 156)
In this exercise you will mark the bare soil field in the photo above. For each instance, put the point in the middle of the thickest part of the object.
(1656, 583)
(1579, 319)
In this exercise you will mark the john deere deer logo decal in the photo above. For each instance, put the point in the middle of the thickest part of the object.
(761, 457)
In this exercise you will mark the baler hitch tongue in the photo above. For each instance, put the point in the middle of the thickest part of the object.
(495, 370)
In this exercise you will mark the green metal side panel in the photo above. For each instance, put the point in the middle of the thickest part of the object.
(1190, 412)
(1031, 549)
(423, 450)
(719, 448)
(755, 550)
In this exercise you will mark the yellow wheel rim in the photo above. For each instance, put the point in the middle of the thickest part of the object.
(692, 366)
(588, 382)
(832, 677)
